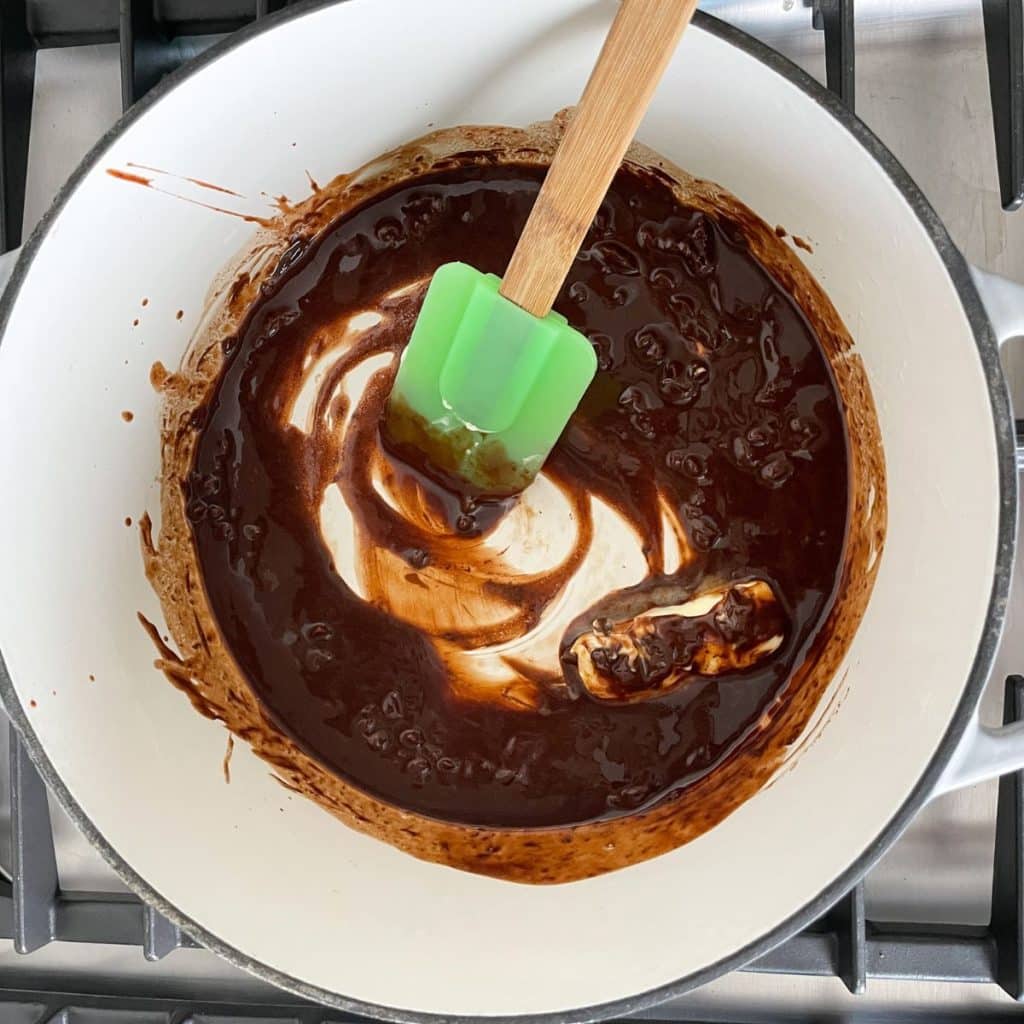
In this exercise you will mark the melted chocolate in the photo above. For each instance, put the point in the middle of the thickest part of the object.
(713, 401)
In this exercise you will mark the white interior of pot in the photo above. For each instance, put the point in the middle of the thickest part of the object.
(272, 875)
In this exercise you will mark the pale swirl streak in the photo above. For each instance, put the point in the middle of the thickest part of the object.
(495, 607)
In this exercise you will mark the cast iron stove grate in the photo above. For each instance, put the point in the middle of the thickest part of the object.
(35, 911)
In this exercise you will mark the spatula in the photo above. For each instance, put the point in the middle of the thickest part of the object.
(491, 373)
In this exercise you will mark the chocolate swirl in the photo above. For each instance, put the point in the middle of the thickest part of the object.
(582, 653)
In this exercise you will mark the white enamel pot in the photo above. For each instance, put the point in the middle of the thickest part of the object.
(275, 884)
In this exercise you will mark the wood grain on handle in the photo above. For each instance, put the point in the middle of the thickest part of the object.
(639, 47)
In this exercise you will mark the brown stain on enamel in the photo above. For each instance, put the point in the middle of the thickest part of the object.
(182, 177)
(135, 179)
(226, 764)
(206, 672)
(138, 179)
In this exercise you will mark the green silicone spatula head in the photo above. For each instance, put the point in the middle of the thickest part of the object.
(491, 375)
(484, 388)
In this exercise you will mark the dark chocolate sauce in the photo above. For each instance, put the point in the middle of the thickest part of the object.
(713, 396)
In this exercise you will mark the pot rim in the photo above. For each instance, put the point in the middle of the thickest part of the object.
(988, 352)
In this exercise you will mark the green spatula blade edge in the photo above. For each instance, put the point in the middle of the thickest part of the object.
(494, 385)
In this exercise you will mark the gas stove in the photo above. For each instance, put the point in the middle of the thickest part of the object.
(936, 930)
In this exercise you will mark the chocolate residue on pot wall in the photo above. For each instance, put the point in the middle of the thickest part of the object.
(209, 185)
(138, 179)
(226, 764)
(135, 179)
(542, 688)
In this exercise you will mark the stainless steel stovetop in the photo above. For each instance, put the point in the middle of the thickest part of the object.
(922, 86)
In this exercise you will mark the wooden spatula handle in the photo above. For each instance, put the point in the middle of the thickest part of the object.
(639, 46)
